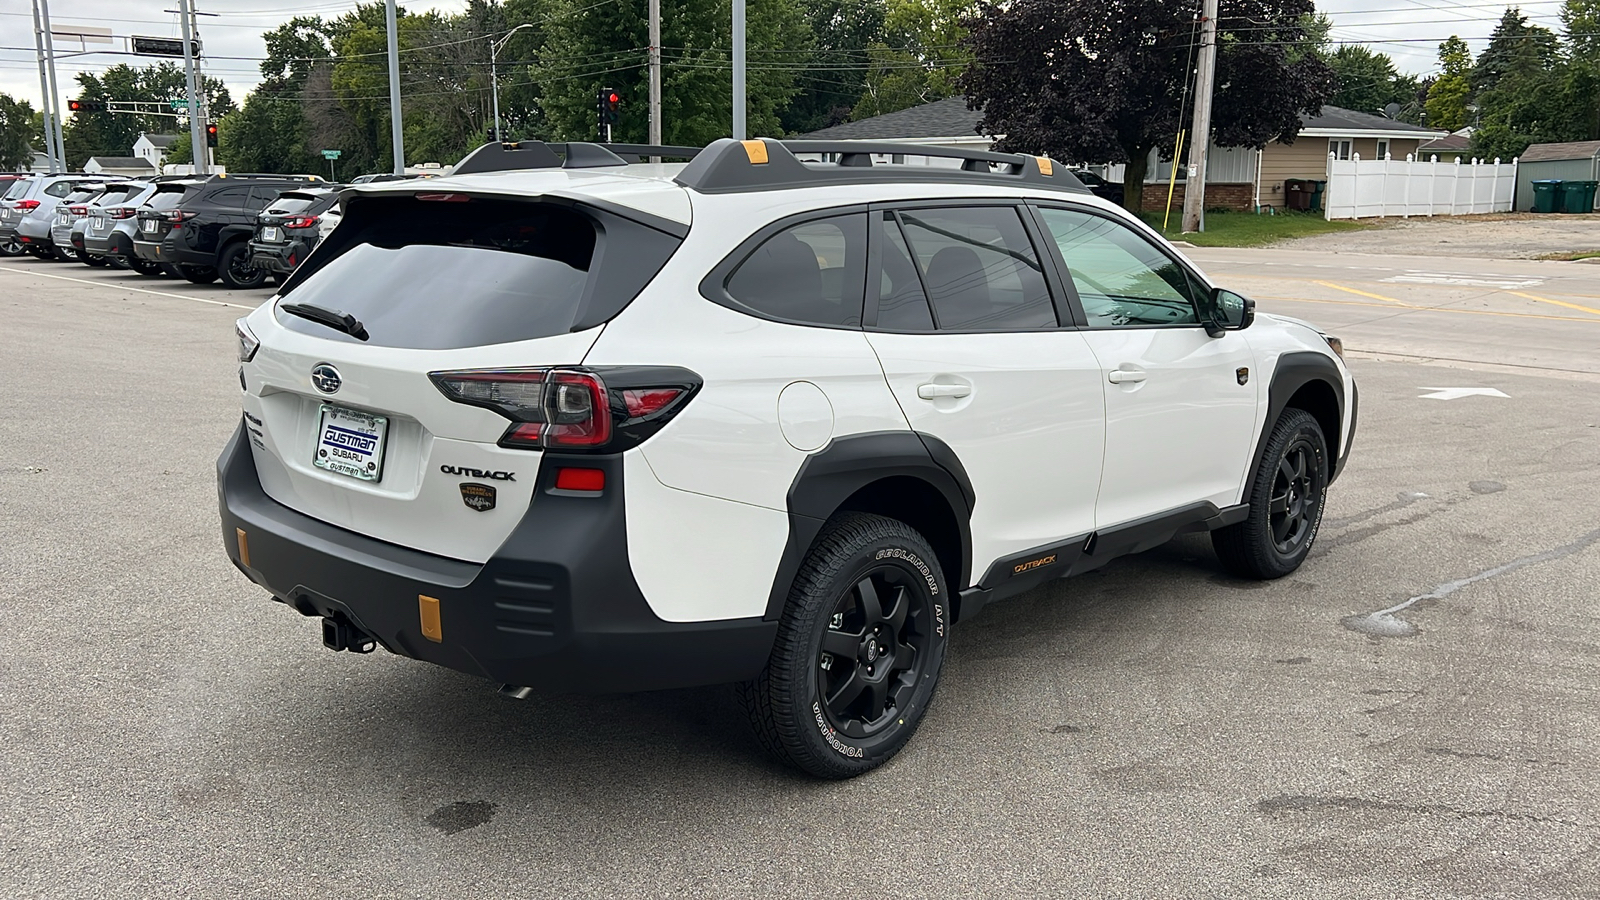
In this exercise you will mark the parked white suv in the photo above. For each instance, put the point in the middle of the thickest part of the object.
(605, 427)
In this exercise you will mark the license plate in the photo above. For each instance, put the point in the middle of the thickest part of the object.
(147, 225)
(269, 234)
(64, 219)
(350, 442)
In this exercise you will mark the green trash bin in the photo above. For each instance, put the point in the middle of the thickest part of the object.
(1578, 196)
(1317, 188)
(1547, 195)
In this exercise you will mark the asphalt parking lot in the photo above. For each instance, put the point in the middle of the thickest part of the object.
(1413, 713)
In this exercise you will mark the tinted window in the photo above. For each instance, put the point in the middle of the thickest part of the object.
(231, 197)
(17, 189)
(902, 305)
(59, 189)
(979, 268)
(458, 277)
(289, 204)
(166, 199)
(809, 273)
(1122, 279)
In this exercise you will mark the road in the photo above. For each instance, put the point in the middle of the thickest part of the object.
(1155, 728)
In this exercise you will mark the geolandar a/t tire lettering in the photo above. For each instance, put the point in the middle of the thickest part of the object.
(858, 651)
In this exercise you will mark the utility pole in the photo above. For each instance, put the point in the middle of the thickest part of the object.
(53, 100)
(44, 92)
(1194, 191)
(395, 131)
(739, 132)
(494, 76)
(655, 75)
(197, 129)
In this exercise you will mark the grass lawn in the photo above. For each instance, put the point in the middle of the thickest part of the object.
(1242, 229)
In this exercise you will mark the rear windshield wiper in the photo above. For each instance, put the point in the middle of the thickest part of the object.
(333, 318)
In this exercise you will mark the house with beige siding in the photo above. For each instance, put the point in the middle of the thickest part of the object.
(1344, 133)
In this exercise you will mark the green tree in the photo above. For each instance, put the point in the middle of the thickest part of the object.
(1103, 80)
(843, 33)
(922, 57)
(1368, 81)
(181, 151)
(1452, 90)
(589, 46)
(1518, 85)
(17, 134)
(1581, 81)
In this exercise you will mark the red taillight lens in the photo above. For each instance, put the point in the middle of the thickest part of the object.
(122, 212)
(581, 480)
(647, 401)
(577, 410)
(78, 210)
(179, 217)
(300, 221)
(27, 205)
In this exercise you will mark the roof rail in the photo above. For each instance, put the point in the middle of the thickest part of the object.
(765, 164)
(272, 175)
(509, 157)
(642, 152)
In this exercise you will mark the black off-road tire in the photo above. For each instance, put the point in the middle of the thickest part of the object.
(145, 267)
(94, 262)
(198, 274)
(63, 254)
(795, 705)
(235, 269)
(1287, 495)
(11, 246)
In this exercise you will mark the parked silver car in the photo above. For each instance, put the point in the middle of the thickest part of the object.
(69, 213)
(30, 207)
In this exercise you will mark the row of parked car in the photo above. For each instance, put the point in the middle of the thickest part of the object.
(243, 229)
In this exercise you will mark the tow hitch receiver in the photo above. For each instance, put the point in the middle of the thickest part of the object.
(337, 634)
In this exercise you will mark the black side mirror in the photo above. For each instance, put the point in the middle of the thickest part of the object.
(1228, 312)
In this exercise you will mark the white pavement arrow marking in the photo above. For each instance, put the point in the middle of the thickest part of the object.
(1458, 393)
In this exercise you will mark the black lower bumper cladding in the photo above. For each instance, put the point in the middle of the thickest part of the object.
(557, 607)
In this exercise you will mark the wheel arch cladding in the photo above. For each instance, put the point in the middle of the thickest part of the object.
(1309, 381)
(902, 475)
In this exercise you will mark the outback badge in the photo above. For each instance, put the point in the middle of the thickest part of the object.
(478, 496)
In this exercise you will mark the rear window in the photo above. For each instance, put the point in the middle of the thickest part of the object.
(17, 189)
(289, 205)
(437, 275)
(166, 199)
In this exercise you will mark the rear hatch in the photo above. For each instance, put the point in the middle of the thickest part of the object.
(161, 212)
(397, 362)
(294, 215)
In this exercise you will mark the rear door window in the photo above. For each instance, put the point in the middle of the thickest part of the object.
(230, 197)
(438, 275)
(59, 189)
(17, 190)
(166, 199)
(979, 268)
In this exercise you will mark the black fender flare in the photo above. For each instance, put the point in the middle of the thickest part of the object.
(830, 476)
(232, 234)
(1293, 372)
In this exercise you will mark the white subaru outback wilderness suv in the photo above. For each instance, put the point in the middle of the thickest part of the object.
(779, 417)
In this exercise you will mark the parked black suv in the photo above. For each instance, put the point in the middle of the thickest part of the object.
(206, 232)
(292, 226)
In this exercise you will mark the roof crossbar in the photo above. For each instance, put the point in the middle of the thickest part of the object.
(728, 165)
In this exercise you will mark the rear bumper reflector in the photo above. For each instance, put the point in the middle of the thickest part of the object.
(431, 627)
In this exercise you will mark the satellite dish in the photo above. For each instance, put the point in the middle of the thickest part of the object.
(1392, 110)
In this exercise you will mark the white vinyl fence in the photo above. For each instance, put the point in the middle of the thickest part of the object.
(1369, 188)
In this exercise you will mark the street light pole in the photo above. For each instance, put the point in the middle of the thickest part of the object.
(44, 92)
(396, 134)
(197, 137)
(738, 71)
(494, 78)
(54, 99)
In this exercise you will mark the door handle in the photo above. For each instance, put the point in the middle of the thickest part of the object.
(930, 391)
(1126, 376)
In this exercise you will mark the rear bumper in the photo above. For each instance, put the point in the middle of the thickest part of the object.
(150, 250)
(556, 608)
(275, 257)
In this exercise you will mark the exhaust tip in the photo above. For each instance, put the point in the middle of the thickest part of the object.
(515, 692)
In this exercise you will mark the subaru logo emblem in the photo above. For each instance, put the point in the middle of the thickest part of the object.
(325, 378)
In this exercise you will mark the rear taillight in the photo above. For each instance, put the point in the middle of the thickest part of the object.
(78, 210)
(122, 212)
(571, 409)
(300, 221)
(178, 217)
(27, 205)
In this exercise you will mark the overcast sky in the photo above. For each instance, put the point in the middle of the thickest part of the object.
(1408, 30)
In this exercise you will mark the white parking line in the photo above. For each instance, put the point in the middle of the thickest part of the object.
(122, 287)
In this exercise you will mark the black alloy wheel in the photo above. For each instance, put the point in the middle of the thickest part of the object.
(870, 661)
(116, 262)
(1286, 502)
(858, 650)
(236, 270)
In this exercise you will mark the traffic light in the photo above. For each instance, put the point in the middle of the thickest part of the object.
(78, 106)
(211, 135)
(608, 104)
(491, 136)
